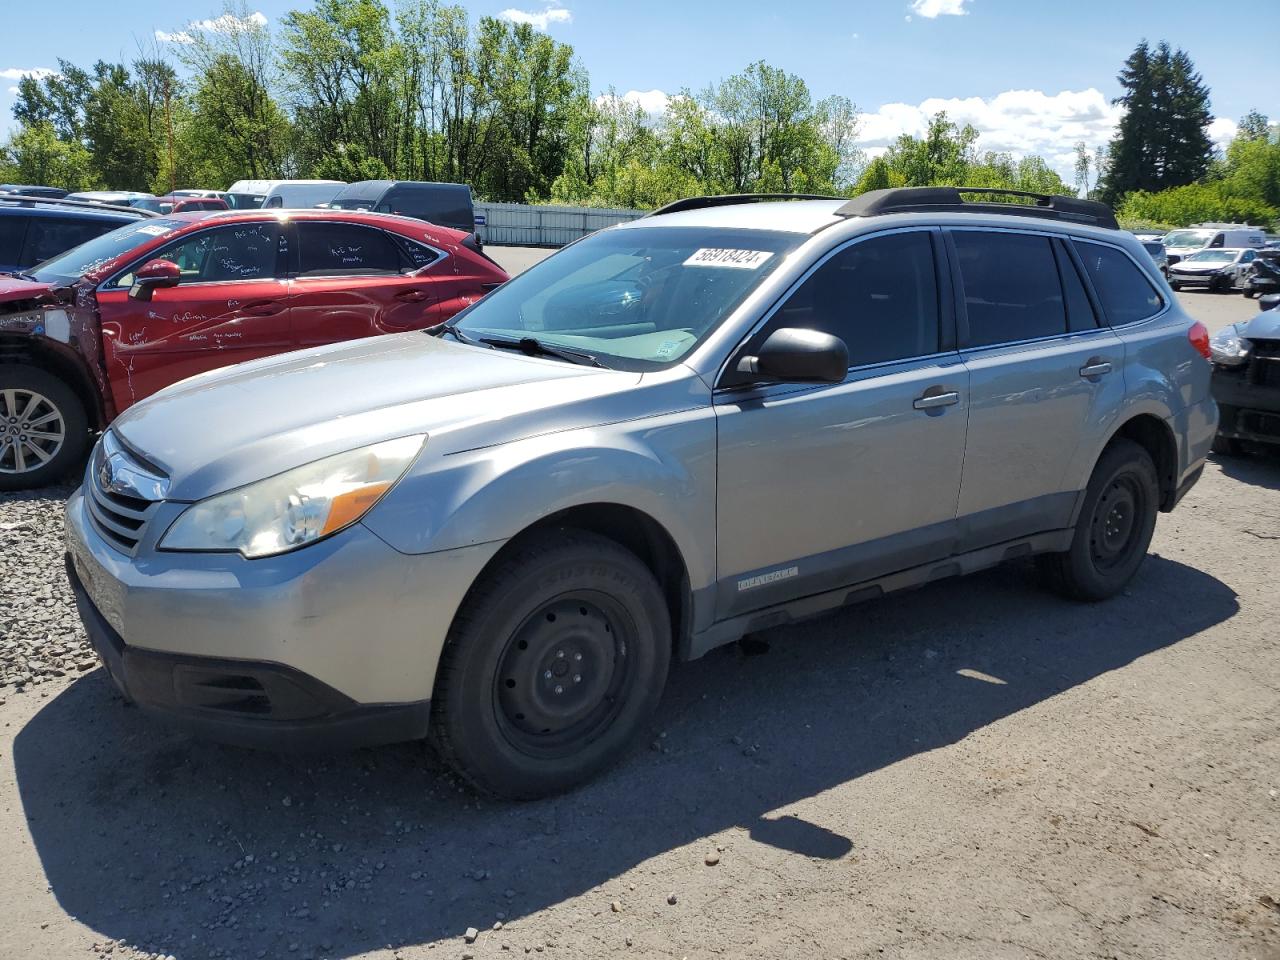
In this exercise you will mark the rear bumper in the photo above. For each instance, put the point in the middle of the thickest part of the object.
(244, 702)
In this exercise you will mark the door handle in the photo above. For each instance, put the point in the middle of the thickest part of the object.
(413, 296)
(931, 401)
(1096, 367)
(264, 309)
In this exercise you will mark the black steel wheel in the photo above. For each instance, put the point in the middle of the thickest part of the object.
(556, 659)
(1114, 528)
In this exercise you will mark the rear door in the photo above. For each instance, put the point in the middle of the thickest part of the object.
(1043, 373)
(351, 280)
(231, 305)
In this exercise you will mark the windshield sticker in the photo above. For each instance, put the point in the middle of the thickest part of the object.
(667, 348)
(723, 257)
(154, 230)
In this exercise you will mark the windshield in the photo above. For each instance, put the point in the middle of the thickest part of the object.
(245, 201)
(1154, 248)
(352, 203)
(76, 262)
(636, 299)
(1188, 238)
(154, 204)
(1213, 256)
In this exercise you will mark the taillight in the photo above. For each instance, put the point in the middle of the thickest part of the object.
(1199, 337)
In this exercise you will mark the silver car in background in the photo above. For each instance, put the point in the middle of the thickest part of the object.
(727, 415)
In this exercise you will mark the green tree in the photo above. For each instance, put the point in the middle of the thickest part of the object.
(35, 153)
(1163, 139)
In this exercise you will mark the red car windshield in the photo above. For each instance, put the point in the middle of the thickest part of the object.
(101, 251)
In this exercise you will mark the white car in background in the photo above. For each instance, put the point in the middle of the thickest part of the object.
(1225, 268)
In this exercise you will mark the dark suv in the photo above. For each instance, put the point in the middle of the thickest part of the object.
(32, 231)
(446, 204)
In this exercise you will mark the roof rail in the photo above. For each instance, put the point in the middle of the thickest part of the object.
(729, 199)
(21, 200)
(951, 199)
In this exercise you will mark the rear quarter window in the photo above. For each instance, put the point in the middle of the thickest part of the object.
(1126, 294)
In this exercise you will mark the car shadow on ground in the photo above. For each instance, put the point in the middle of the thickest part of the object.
(175, 845)
(1259, 466)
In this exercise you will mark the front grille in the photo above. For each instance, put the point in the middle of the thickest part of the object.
(122, 494)
(1259, 423)
(1264, 364)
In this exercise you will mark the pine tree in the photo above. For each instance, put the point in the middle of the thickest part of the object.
(1162, 139)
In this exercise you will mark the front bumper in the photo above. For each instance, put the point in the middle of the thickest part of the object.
(1195, 279)
(244, 702)
(1247, 410)
(340, 639)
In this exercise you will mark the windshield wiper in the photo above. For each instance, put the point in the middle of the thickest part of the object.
(536, 348)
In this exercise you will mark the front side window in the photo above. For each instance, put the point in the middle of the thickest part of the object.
(345, 249)
(879, 296)
(1010, 286)
(635, 298)
(243, 252)
(1126, 293)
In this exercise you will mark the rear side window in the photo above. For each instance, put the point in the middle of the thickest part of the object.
(345, 249)
(12, 232)
(1124, 290)
(48, 237)
(879, 296)
(1010, 286)
(444, 207)
(1080, 315)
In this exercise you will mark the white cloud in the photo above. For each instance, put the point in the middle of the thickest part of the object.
(540, 20)
(227, 23)
(1222, 131)
(17, 73)
(938, 8)
(1019, 122)
(653, 102)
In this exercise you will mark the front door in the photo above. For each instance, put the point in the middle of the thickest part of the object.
(825, 486)
(232, 304)
(1043, 374)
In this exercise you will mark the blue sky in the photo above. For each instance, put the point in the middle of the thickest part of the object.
(1033, 76)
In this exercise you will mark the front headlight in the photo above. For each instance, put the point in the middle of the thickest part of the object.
(1228, 349)
(295, 508)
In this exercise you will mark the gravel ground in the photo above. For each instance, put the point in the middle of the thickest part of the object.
(972, 769)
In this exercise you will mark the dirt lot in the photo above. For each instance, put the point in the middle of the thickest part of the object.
(975, 769)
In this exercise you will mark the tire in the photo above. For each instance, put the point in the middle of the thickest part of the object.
(1175, 285)
(561, 602)
(1227, 446)
(1114, 529)
(38, 457)
(1250, 293)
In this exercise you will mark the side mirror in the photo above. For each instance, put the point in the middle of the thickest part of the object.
(794, 355)
(152, 275)
(1269, 302)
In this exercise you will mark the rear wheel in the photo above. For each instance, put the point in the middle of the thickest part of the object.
(43, 427)
(554, 663)
(1114, 529)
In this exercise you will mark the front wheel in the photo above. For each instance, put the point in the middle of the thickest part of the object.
(1175, 285)
(1114, 529)
(555, 661)
(43, 427)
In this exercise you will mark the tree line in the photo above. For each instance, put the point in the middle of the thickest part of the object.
(354, 89)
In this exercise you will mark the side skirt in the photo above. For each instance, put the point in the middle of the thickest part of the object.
(727, 631)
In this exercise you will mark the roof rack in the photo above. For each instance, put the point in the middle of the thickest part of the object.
(951, 199)
(21, 200)
(729, 199)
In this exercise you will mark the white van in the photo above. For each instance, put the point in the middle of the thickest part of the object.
(294, 194)
(1182, 243)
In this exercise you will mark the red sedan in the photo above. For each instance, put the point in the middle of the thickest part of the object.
(94, 330)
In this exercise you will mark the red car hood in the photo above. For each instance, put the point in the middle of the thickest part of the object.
(13, 288)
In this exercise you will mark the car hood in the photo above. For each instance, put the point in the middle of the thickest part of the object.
(13, 289)
(1195, 266)
(1262, 326)
(232, 426)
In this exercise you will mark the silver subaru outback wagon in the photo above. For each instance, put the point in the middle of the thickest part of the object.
(731, 413)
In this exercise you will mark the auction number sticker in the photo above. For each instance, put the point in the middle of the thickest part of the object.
(154, 230)
(725, 257)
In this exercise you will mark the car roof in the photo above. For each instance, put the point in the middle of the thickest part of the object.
(13, 206)
(260, 215)
(788, 216)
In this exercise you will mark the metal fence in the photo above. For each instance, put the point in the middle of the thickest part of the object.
(517, 224)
